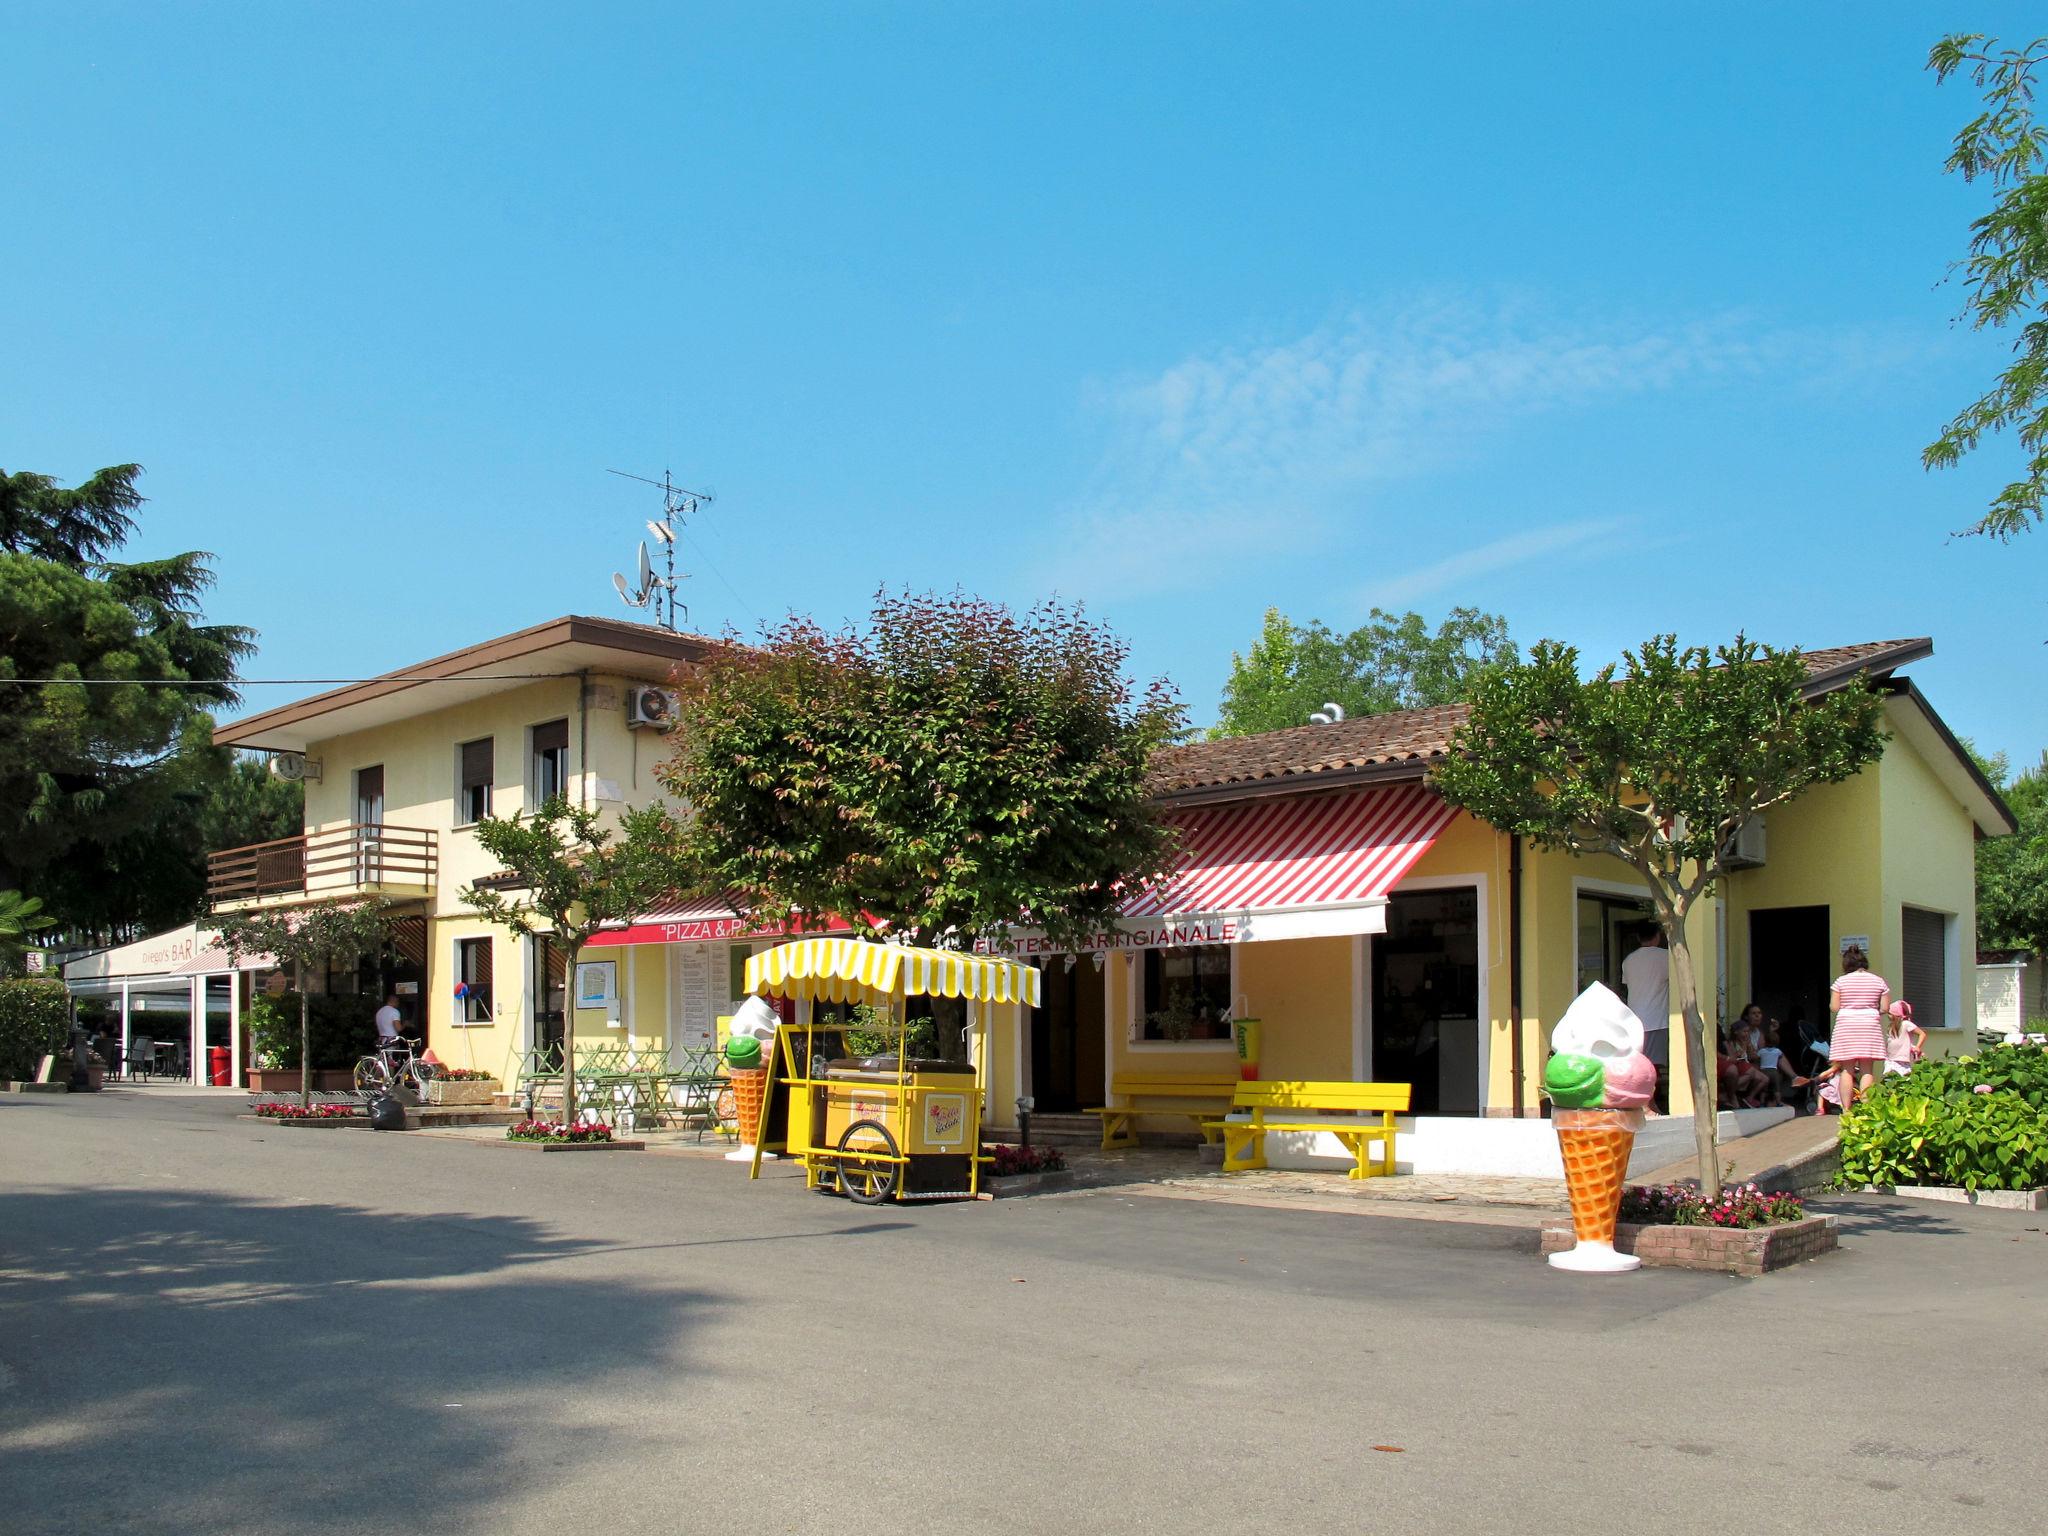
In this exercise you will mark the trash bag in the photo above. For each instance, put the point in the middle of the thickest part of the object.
(386, 1113)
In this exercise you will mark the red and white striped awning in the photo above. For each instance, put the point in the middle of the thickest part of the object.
(1289, 867)
(1301, 851)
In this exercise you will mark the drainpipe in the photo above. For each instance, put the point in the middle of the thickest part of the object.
(583, 734)
(1515, 966)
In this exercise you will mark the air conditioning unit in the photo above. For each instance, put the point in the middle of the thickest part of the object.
(1748, 849)
(654, 708)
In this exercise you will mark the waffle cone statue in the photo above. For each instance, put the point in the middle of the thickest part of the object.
(1598, 1083)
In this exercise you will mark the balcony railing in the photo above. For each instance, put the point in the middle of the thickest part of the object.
(337, 861)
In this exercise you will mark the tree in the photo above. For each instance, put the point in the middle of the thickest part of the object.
(97, 756)
(20, 916)
(1390, 662)
(2012, 872)
(2006, 272)
(572, 875)
(1660, 767)
(318, 936)
(948, 772)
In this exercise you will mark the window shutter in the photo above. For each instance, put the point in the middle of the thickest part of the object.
(552, 737)
(476, 762)
(1924, 984)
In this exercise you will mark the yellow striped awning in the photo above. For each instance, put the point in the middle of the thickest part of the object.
(839, 970)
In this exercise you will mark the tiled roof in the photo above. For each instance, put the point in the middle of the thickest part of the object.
(1403, 744)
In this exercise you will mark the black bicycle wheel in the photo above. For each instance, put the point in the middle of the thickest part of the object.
(869, 1179)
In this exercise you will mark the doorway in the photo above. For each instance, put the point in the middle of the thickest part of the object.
(370, 824)
(1425, 999)
(1789, 974)
(1066, 1036)
(1608, 930)
(549, 988)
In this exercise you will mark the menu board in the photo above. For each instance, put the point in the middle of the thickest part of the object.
(696, 965)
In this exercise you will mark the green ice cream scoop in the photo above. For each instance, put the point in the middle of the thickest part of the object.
(1575, 1082)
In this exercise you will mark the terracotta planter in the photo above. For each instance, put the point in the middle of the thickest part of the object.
(481, 1090)
(286, 1080)
(1727, 1250)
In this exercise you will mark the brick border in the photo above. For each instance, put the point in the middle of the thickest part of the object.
(1726, 1250)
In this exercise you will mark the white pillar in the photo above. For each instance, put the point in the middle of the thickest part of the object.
(235, 1027)
(125, 1032)
(196, 1022)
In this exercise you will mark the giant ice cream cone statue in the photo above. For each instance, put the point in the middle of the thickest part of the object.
(1598, 1083)
(753, 1029)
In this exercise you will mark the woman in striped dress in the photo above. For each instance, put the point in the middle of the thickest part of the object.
(1857, 1045)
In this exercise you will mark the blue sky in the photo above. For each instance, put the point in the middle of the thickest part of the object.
(1611, 319)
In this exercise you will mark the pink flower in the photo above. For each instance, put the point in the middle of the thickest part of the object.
(1981, 1088)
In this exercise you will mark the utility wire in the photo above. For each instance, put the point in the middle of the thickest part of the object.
(286, 682)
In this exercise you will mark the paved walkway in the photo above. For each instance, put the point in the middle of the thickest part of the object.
(1750, 1156)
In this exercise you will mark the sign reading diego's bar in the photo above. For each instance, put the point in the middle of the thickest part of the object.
(1164, 933)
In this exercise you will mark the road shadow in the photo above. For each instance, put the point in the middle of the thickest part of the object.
(174, 1362)
(1859, 1215)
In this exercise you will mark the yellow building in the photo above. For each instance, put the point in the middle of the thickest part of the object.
(1374, 933)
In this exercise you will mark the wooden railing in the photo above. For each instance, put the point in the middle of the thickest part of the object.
(333, 862)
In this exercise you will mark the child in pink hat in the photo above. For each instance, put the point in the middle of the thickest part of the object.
(1903, 1039)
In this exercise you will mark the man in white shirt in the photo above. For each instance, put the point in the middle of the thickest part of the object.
(1646, 980)
(388, 1020)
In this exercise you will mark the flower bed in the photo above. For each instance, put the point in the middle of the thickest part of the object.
(463, 1075)
(1743, 1207)
(1973, 1123)
(1742, 1231)
(555, 1134)
(275, 1111)
(1008, 1161)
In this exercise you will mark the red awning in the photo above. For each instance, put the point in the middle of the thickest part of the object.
(1295, 853)
(699, 920)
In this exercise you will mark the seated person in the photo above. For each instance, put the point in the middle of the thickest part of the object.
(1742, 1085)
(1774, 1063)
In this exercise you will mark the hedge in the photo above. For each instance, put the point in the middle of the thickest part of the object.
(35, 1021)
(1974, 1122)
(342, 1025)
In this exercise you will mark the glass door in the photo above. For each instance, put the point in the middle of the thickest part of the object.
(370, 824)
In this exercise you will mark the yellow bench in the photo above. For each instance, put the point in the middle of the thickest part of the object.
(1199, 1098)
(1285, 1106)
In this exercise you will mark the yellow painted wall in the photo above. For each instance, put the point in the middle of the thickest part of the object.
(1929, 861)
(1300, 990)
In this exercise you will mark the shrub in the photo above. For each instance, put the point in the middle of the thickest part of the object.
(872, 1031)
(1682, 1205)
(35, 1021)
(342, 1025)
(1975, 1122)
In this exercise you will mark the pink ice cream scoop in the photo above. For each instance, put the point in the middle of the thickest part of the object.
(1631, 1081)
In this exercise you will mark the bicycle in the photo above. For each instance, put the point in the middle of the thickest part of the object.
(393, 1066)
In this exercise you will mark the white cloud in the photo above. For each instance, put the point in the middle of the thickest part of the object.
(1502, 554)
(1264, 452)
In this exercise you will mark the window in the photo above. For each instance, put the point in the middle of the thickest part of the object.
(550, 761)
(1187, 994)
(473, 791)
(1924, 983)
(473, 976)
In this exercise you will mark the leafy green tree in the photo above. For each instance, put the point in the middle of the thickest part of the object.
(20, 917)
(2006, 273)
(314, 937)
(571, 875)
(1659, 765)
(2012, 872)
(1392, 661)
(950, 770)
(98, 755)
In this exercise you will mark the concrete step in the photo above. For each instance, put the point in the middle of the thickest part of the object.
(1052, 1131)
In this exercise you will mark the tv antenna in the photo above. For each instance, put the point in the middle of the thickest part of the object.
(650, 590)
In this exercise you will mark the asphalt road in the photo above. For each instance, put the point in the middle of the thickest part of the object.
(211, 1325)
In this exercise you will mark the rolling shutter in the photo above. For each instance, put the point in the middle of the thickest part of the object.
(1924, 937)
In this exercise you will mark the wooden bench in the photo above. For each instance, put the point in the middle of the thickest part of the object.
(1339, 1108)
(1201, 1099)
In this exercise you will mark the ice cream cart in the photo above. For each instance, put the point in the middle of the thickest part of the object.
(885, 1127)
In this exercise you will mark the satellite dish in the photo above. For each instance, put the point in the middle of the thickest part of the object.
(646, 570)
(661, 531)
